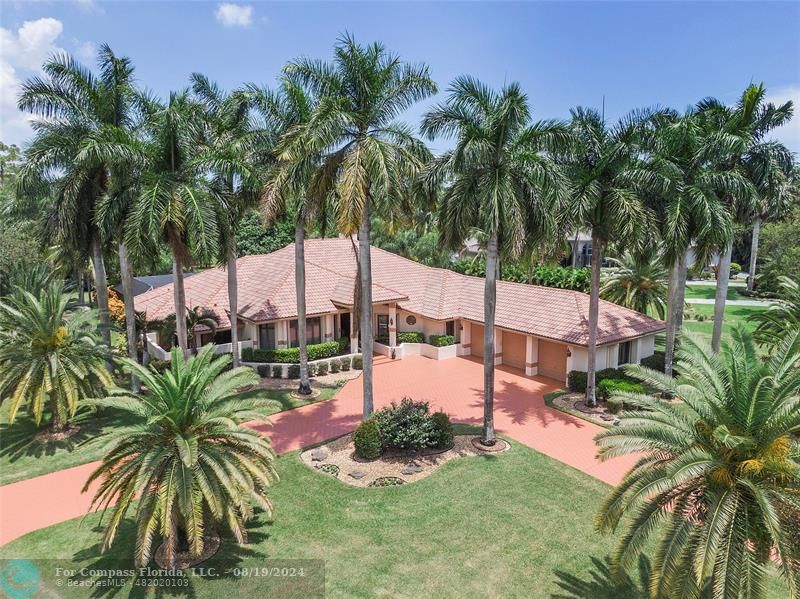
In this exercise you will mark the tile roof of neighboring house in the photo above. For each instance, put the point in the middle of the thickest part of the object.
(149, 282)
(267, 292)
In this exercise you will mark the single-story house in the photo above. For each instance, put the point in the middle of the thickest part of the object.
(540, 330)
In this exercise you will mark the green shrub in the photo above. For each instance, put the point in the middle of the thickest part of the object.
(344, 363)
(576, 380)
(614, 405)
(410, 337)
(358, 362)
(334, 366)
(312, 369)
(159, 365)
(607, 387)
(263, 371)
(367, 440)
(442, 437)
(277, 371)
(322, 368)
(656, 361)
(441, 340)
(736, 268)
(407, 425)
(291, 355)
(293, 372)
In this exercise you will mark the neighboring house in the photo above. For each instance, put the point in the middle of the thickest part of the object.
(540, 330)
(580, 246)
(148, 283)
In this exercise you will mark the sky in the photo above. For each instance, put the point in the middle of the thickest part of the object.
(632, 54)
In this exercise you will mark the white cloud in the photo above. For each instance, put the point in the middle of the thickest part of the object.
(86, 52)
(789, 134)
(21, 55)
(234, 15)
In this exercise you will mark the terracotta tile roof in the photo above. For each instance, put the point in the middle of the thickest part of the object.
(267, 292)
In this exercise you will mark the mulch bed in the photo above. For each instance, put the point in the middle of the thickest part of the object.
(499, 446)
(337, 458)
(48, 436)
(184, 559)
(314, 393)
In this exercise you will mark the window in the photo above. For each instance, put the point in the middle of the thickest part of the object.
(450, 328)
(313, 331)
(624, 353)
(383, 326)
(266, 336)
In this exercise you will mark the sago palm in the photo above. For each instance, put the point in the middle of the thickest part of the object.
(500, 179)
(50, 355)
(717, 479)
(780, 320)
(187, 465)
(638, 283)
(368, 158)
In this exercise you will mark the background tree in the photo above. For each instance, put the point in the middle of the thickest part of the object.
(780, 320)
(607, 180)
(187, 460)
(716, 477)
(368, 158)
(637, 282)
(50, 355)
(499, 179)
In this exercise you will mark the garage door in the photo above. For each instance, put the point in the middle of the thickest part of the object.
(514, 350)
(553, 360)
(476, 339)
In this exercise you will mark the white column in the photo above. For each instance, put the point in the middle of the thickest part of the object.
(532, 356)
(353, 336)
(392, 325)
(282, 334)
(498, 346)
(328, 333)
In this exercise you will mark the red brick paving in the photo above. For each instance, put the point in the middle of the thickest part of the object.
(454, 386)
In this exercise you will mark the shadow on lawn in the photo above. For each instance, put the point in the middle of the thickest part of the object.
(600, 584)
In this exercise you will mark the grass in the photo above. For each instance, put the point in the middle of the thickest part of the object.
(516, 524)
(709, 292)
(734, 315)
(22, 457)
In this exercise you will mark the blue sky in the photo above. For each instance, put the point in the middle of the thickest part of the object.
(634, 53)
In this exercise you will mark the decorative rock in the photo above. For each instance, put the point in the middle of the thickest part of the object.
(616, 422)
(608, 417)
(358, 474)
(411, 468)
(318, 455)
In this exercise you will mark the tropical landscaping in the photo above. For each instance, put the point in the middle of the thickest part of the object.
(117, 182)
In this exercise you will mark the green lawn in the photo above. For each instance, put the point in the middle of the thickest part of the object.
(517, 524)
(709, 292)
(733, 315)
(21, 457)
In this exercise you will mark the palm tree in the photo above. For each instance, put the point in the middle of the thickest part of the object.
(187, 460)
(716, 477)
(737, 140)
(607, 180)
(287, 189)
(638, 282)
(368, 159)
(230, 154)
(50, 357)
(499, 179)
(175, 203)
(80, 143)
(195, 317)
(780, 320)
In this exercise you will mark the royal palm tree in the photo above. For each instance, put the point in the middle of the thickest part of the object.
(716, 478)
(782, 319)
(607, 181)
(638, 282)
(368, 159)
(186, 459)
(176, 204)
(737, 142)
(50, 355)
(287, 189)
(500, 179)
(79, 144)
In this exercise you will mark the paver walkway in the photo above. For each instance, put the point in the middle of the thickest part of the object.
(454, 386)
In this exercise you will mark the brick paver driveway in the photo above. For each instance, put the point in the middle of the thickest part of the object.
(454, 385)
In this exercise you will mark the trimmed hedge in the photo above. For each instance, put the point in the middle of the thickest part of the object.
(442, 437)
(656, 361)
(367, 440)
(322, 368)
(576, 379)
(607, 387)
(263, 371)
(358, 362)
(410, 337)
(334, 366)
(159, 365)
(344, 363)
(441, 340)
(316, 351)
(293, 371)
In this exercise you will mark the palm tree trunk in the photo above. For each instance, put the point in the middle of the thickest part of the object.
(365, 263)
(130, 313)
(488, 436)
(594, 314)
(101, 290)
(300, 286)
(180, 302)
(677, 299)
(57, 422)
(233, 301)
(79, 279)
(723, 276)
(751, 280)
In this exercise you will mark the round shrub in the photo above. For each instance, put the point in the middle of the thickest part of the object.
(277, 371)
(312, 369)
(367, 440)
(345, 363)
(577, 381)
(334, 366)
(736, 268)
(322, 369)
(263, 371)
(406, 425)
(614, 405)
(293, 371)
(656, 361)
(358, 362)
(442, 437)
(410, 337)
